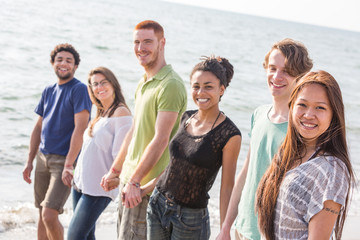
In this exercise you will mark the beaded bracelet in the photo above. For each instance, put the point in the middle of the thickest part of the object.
(137, 185)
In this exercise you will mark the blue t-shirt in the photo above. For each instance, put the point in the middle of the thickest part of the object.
(57, 107)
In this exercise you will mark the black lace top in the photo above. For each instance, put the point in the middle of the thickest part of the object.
(194, 163)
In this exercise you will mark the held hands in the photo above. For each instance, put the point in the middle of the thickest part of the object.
(110, 180)
(67, 175)
(131, 195)
(27, 172)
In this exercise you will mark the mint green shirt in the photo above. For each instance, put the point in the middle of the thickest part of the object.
(163, 92)
(266, 138)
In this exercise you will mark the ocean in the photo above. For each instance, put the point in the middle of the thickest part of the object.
(101, 31)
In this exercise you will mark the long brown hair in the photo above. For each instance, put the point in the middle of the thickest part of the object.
(332, 141)
(118, 96)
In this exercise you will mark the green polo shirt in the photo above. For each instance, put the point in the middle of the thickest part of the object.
(163, 92)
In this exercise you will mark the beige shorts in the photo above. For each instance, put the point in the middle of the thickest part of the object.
(49, 189)
(131, 223)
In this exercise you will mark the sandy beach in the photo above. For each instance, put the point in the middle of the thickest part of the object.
(108, 231)
(351, 230)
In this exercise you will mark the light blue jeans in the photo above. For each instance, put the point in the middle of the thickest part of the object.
(87, 210)
(168, 220)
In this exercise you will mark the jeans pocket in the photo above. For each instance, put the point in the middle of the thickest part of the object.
(192, 220)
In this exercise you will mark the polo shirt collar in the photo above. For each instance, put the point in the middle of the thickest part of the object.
(160, 75)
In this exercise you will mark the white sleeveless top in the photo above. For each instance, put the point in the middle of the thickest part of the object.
(98, 153)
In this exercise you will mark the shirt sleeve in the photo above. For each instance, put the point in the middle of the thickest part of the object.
(172, 97)
(252, 124)
(121, 129)
(331, 184)
(81, 99)
(40, 107)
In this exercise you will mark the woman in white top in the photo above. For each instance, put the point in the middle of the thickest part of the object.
(304, 193)
(102, 141)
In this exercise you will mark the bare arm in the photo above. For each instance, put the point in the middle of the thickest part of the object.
(164, 124)
(322, 224)
(33, 148)
(148, 187)
(81, 121)
(111, 180)
(230, 156)
(232, 210)
(111, 176)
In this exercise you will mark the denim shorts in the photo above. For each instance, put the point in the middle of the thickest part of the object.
(168, 220)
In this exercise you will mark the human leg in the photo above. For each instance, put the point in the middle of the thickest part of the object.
(132, 221)
(86, 212)
(75, 197)
(41, 184)
(41, 231)
(55, 197)
(191, 223)
(57, 193)
(54, 229)
(158, 225)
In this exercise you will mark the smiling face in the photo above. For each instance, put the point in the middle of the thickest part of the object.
(147, 47)
(312, 113)
(64, 66)
(102, 88)
(280, 82)
(206, 90)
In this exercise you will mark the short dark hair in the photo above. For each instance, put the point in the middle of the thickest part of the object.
(67, 48)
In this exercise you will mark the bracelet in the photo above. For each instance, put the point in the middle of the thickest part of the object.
(68, 166)
(117, 172)
(137, 185)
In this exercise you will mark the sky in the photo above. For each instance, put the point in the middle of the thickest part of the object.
(343, 14)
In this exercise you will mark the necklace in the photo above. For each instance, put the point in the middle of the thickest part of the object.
(192, 116)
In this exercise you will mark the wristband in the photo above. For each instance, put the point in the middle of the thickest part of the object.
(137, 185)
(68, 166)
(117, 172)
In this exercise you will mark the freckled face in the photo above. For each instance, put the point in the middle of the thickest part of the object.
(312, 113)
(206, 90)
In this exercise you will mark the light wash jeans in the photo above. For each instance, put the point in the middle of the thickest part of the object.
(168, 220)
(87, 210)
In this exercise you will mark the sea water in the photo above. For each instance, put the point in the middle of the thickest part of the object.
(101, 31)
